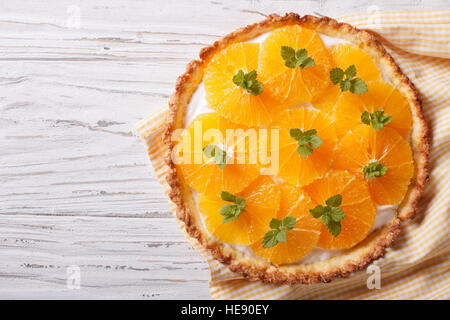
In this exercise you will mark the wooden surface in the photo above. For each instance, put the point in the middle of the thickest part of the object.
(76, 185)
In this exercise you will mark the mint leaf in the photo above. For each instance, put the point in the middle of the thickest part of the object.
(334, 228)
(315, 141)
(358, 86)
(275, 223)
(238, 78)
(231, 212)
(349, 83)
(308, 62)
(295, 133)
(289, 223)
(281, 236)
(293, 59)
(226, 196)
(256, 88)
(345, 85)
(307, 141)
(381, 119)
(377, 124)
(301, 54)
(310, 132)
(337, 214)
(287, 52)
(210, 150)
(248, 82)
(317, 211)
(230, 218)
(278, 232)
(334, 201)
(350, 71)
(291, 63)
(336, 75)
(330, 214)
(326, 219)
(240, 202)
(374, 169)
(377, 119)
(304, 150)
(365, 117)
(270, 239)
(218, 155)
(251, 76)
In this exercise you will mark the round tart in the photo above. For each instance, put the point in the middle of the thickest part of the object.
(351, 140)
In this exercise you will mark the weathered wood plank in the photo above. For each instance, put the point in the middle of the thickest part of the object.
(149, 255)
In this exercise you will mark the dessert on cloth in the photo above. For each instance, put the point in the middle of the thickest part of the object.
(353, 146)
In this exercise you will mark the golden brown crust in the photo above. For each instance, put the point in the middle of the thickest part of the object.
(357, 258)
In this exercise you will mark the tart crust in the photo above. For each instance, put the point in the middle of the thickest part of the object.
(354, 259)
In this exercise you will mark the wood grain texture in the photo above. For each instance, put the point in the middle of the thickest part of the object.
(76, 185)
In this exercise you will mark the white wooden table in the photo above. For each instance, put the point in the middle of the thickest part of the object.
(76, 188)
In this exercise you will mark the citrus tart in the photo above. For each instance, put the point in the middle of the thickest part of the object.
(297, 147)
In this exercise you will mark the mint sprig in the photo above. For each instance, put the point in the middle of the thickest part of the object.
(349, 83)
(307, 141)
(248, 82)
(331, 215)
(231, 212)
(218, 155)
(377, 119)
(278, 232)
(374, 169)
(293, 59)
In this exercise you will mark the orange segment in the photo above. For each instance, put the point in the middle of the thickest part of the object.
(300, 240)
(357, 205)
(229, 100)
(201, 172)
(293, 167)
(326, 101)
(364, 145)
(291, 86)
(262, 200)
(343, 56)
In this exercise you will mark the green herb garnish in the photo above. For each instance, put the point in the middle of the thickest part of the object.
(293, 59)
(349, 83)
(231, 212)
(377, 119)
(331, 214)
(278, 232)
(374, 169)
(218, 155)
(248, 82)
(307, 141)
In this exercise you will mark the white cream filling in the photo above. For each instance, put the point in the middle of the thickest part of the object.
(198, 105)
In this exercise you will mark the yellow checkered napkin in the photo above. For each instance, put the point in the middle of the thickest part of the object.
(417, 267)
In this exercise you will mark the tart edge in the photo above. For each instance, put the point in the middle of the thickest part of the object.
(375, 245)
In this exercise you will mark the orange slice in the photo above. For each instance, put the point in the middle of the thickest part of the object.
(365, 145)
(293, 85)
(294, 168)
(357, 205)
(343, 56)
(300, 240)
(380, 96)
(262, 200)
(229, 100)
(203, 173)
